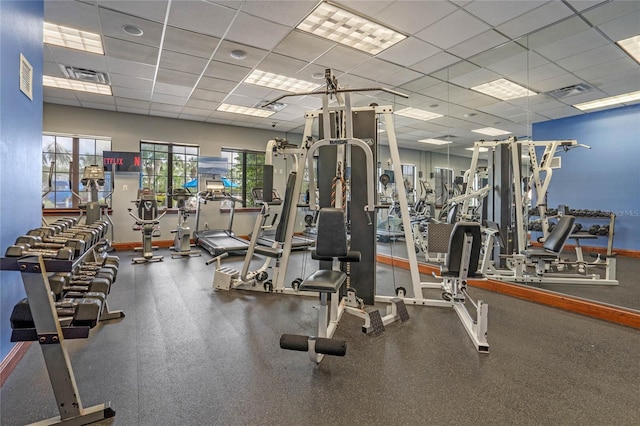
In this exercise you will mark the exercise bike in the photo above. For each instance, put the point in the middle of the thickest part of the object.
(182, 240)
(147, 220)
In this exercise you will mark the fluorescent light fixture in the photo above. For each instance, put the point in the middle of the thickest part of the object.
(81, 86)
(335, 24)
(418, 114)
(435, 141)
(480, 149)
(503, 89)
(72, 38)
(237, 109)
(280, 82)
(613, 100)
(491, 131)
(631, 45)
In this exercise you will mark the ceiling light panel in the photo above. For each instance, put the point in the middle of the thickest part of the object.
(418, 114)
(82, 86)
(503, 89)
(435, 141)
(72, 38)
(237, 109)
(613, 100)
(280, 82)
(631, 46)
(344, 27)
(480, 149)
(491, 131)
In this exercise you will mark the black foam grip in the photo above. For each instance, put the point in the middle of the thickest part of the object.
(325, 346)
(267, 183)
(294, 342)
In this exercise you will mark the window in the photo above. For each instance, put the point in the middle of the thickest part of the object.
(70, 155)
(168, 165)
(245, 171)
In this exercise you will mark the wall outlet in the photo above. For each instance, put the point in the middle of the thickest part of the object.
(125, 187)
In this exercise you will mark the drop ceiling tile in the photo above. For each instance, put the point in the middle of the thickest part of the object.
(481, 43)
(201, 17)
(600, 55)
(54, 92)
(453, 29)
(165, 114)
(304, 46)
(419, 84)
(611, 10)
(435, 63)
(581, 5)
(408, 52)
(409, 17)
(168, 99)
(139, 8)
(199, 112)
(129, 51)
(176, 77)
(554, 83)
(181, 62)
(95, 98)
(216, 84)
(602, 70)
(542, 73)
(51, 69)
(189, 43)
(131, 68)
(254, 55)
(208, 95)
(623, 27)
(256, 32)
(254, 91)
(562, 112)
(475, 77)
(131, 82)
(61, 101)
(399, 78)
(92, 105)
(125, 92)
(279, 64)
(132, 103)
(131, 110)
(614, 84)
(376, 69)
(226, 71)
(498, 54)
(78, 58)
(155, 106)
(112, 24)
(531, 21)
(190, 117)
(499, 12)
(172, 89)
(288, 13)
(342, 58)
(572, 45)
(519, 63)
(367, 8)
(72, 14)
(203, 105)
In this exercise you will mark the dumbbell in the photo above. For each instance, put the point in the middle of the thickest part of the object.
(85, 312)
(49, 233)
(577, 227)
(78, 246)
(604, 230)
(551, 226)
(68, 282)
(22, 250)
(594, 229)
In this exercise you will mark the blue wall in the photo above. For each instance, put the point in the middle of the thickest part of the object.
(605, 177)
(20, 141)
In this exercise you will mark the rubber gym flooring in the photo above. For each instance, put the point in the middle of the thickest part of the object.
(188, 355)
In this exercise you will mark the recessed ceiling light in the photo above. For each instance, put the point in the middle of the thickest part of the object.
(480, 149)
(503, 89)
(631, 46)
(418, 114)
(317, 75)
(435, 141)
(72, 38)
(237, 109)
(471, 114)
(238, 54)
(132, 30)
(491, 131)
(612, 100)
(434, 106)
(280, 82)
(82, 86)
(335, 24)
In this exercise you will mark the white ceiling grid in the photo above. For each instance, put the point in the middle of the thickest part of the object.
(181, 67)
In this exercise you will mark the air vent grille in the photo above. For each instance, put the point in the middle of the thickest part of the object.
(83, 74)
(576, 89)
(275, 107)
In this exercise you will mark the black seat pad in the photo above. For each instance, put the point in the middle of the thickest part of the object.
(324, 281)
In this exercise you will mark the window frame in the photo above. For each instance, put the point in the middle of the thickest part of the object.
(243, 192)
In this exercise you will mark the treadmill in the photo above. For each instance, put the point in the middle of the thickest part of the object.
(218, 241)
(268, 232)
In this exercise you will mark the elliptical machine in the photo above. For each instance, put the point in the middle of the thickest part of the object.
(147, 221)
(182, 240)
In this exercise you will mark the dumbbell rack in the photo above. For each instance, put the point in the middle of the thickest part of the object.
(48, 332)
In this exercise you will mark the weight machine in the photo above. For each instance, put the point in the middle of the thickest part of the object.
(147, 221)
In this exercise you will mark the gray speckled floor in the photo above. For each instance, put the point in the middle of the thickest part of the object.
(188, 355)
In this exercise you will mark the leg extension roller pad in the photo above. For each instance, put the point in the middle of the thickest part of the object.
(323, 345)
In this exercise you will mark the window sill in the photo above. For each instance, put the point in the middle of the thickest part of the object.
(242, 210)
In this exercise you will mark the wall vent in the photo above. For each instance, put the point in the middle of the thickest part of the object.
(576, 89)
(26, 77)
(83, 74)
